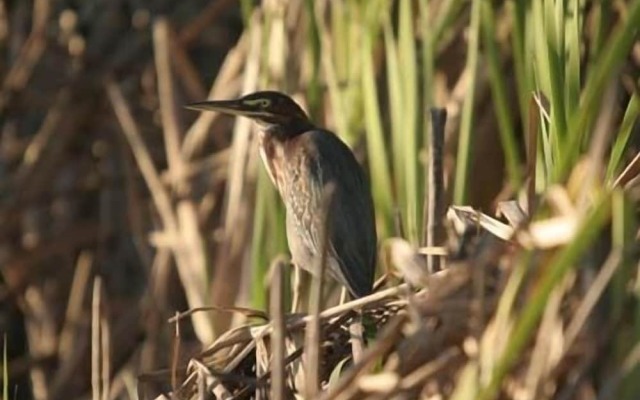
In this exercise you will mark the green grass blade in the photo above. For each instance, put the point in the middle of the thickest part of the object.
(465, 144)
(573, 28)
(394, 88)
(408, 59)
(613, 53)
(518, 11)
(499, 92)
(622, 138)
(378, 164)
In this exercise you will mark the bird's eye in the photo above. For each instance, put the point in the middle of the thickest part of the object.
(264, 103)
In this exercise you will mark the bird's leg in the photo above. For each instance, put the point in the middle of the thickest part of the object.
(298, 284)
(344, 295)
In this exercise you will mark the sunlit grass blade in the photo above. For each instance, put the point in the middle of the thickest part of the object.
(573, 27)
(623, 228)
(378, 164)
(394, 88)
(622, 138)
(554, 42)
(314, 93)
(521, 65)
(465, 144)
(409, 61)
(499, 94)
(448, 10)
(598, 77)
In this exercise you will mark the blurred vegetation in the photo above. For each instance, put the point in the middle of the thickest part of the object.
(119, 208)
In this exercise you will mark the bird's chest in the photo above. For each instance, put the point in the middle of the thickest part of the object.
(283, 165)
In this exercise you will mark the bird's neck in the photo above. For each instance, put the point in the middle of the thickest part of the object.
(283, 132)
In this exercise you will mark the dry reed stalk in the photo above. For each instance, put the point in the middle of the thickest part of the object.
(163, 203)
(226, 85)
(226, 282)
(96, 367)
(278, 336)
(313, 331)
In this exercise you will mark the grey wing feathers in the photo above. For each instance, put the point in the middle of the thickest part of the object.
(352, 229)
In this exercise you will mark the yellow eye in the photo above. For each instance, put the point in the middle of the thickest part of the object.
(262, 103)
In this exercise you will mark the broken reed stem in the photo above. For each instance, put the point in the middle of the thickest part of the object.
(95, 339)
(105, 351)
(313, 333)
(276, 308)
(435, 199)
(175, 356)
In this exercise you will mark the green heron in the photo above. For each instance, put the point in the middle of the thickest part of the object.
(301, 159)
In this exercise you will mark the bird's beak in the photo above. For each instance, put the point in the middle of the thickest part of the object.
(233, 107)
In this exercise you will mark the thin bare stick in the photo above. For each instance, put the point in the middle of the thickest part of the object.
(67, 344)
(247, 312)
(161, 44)
(435, 200)
(631, 171)
(175, 356)
(276, 308)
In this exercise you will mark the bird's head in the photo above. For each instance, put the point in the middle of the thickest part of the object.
(269, 109)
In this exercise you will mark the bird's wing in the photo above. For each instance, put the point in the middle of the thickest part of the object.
(352, 235)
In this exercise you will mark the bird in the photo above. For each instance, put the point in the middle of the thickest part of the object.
(302, 160)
